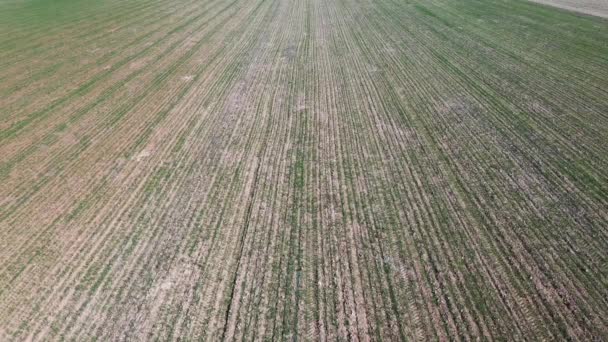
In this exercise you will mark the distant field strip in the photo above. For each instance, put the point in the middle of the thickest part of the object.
(302, 169)
(592, 7)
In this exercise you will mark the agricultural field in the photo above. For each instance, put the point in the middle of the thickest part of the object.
(302, 170)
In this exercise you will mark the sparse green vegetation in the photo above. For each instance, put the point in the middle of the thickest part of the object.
(313, 170)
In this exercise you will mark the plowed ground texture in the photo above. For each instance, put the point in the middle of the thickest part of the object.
(302, 170)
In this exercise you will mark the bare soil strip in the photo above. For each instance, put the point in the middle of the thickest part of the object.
(597, 8)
